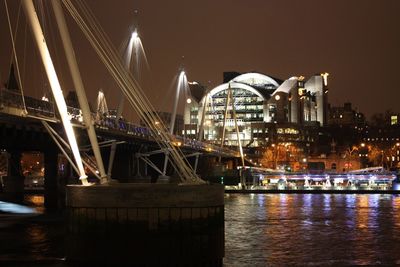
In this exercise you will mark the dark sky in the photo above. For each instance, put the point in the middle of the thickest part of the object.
(356, 41)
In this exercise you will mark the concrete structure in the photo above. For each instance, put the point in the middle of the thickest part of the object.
(146, 225)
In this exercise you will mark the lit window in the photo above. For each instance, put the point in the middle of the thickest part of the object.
(393, 120)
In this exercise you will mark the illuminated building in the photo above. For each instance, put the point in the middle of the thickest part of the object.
(267, 109)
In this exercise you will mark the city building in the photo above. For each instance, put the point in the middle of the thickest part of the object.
(257, 110)
(345, 116)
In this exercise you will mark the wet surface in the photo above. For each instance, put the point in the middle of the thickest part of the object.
(260, 230)
(312, 230)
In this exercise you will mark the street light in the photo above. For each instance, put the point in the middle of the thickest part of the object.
(134, 35)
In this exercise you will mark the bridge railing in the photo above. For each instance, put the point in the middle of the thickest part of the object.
(43, 108)
(9, 98)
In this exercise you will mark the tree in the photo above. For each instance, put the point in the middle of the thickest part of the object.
(268, 158)
(375, 155)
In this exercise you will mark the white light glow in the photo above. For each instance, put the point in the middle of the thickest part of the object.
(16, 208)
(325, 77)
(134, 35)
(188, 100)
(277, 97)
(255, 78)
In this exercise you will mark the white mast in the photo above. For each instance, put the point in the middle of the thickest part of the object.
(54, 83)
(80, 90)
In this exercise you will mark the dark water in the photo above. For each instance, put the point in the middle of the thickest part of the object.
(261, 230)
(312, 230)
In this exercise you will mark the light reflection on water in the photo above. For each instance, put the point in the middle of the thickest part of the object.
(263, 230)
(312, 230)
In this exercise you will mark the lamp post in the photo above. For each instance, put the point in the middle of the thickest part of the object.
(132, 45)
(182, 81)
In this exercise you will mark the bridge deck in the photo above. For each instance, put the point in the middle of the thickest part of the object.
(11, 104)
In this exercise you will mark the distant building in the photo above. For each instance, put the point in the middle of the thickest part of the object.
(345, 116)
(334, 163)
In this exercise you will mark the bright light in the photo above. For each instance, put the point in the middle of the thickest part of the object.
(362, 144)
(134, 35)
(325, 77)
(188, 100)
(277, 97)
(15, 208)
(177, 143)
(304, 160)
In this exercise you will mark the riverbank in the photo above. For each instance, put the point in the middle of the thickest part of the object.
(310, 191)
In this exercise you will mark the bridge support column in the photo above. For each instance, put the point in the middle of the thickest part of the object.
(51, 187)
(14, 181)
(145, 225)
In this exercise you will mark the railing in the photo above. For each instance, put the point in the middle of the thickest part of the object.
(42, 108)
(33, 106)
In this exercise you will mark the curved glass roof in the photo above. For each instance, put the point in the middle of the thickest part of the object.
(256, 80)
(234, 85)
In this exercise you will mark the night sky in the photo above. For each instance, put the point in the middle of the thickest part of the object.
(357, 42)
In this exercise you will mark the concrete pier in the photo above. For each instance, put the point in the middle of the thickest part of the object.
(13, 183)
(146, 225)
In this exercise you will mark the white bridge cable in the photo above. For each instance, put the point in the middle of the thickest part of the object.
(13, 37)
(88, 162)
(79, 87)
(131, 89)
(54, 137)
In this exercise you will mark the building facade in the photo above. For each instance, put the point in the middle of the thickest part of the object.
(257, 110)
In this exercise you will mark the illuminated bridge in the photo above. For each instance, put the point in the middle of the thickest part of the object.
(11, 104)
(137, 157)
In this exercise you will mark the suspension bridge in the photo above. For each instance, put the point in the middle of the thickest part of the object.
(183, 221)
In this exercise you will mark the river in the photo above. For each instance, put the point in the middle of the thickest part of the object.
(260, 230)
